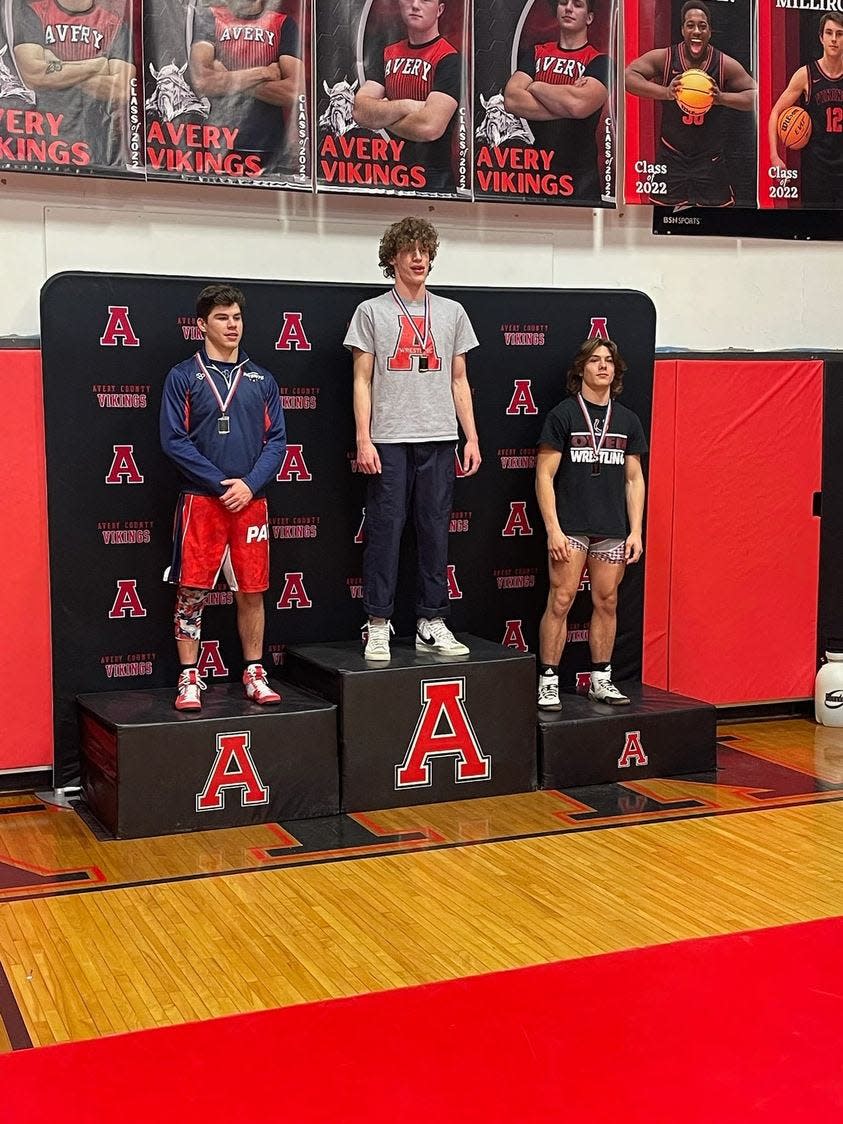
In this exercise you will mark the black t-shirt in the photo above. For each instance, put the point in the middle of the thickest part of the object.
(587, 504)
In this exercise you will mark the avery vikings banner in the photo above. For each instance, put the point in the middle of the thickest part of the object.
(227, 91)
(392, 83)
(108, 342)
(690, 103)
(544, 101)
(69, 91)
(800, 105)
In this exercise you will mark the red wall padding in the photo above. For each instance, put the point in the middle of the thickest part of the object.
(25, 667)
(731, 601)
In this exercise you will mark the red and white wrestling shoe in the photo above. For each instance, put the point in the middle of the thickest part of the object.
(257, 686)
(190, 684)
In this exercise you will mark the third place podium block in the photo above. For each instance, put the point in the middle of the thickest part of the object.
(658, 735)
(424, 728)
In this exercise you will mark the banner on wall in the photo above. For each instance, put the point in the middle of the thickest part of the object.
(690, 104)
(108, 342)
(69, 92)
(800, 107)
(544, 111)
(226, 92)
(392, 83)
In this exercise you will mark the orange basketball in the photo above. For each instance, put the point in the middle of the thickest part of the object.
(794, 127)
(695, 91)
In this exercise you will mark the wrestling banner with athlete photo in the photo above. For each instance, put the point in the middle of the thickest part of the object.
(800, 106)
(544, 101)
(392, 81)
(226, 87)
(690, 103)
(70, 96)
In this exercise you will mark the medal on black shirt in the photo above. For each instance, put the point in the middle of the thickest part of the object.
(596, 445)
(232, 381)
(422, 338)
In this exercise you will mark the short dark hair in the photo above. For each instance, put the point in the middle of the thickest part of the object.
(554, 4)
(585, 352)
(691, 5)
(830, 17)
(219, 296)
(401, 236)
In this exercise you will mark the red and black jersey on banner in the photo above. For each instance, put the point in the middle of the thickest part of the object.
(544, 103)
(700, 152)
(229, 102)
(800, 109)
(393, 99)
(108, 342)
(70, 78)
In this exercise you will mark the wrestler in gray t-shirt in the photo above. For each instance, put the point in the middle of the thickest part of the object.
(411, 403)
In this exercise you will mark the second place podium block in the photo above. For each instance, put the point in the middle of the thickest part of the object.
(423, 728)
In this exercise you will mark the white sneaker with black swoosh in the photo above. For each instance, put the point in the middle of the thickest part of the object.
(435, 636)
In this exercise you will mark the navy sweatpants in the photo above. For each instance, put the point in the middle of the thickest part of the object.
(417, 477)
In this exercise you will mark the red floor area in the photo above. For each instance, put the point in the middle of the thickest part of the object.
(740, 1028)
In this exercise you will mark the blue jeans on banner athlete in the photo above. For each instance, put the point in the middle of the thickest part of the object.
(418, 476)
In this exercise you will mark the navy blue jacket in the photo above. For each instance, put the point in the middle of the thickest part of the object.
(254, 447)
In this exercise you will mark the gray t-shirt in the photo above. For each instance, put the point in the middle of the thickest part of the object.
(408, 402)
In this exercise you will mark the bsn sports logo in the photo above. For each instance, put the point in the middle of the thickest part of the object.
(233, 768)
(834, 699)
(443, 730)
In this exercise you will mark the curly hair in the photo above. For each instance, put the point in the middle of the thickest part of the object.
(218, 296)
(575, 371)
(401, 236)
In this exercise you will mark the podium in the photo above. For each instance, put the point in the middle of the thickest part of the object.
(658, 735)
(424, 728)
(148, 769)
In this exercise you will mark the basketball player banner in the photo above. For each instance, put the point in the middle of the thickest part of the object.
(392, 81)
(70, 95)
(690, 84)
(227, 92)
(544, 108)
(800, 105)
(108, 342)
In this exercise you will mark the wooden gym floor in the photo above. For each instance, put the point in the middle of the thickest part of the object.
(98, 936)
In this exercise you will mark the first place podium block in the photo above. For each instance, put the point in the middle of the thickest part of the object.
(148, 769)
(658, 735)
(423, 728)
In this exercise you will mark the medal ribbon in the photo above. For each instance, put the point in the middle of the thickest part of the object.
(423, 340)
(594, 443)
(231, 383)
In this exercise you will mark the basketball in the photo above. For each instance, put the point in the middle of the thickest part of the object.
(694, 93)
(794, 127)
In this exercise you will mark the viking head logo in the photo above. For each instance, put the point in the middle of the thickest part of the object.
(499, 125)
(172, 95)
(10, 84)
(338, 117)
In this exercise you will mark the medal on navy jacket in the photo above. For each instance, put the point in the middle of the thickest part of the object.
(232, 381)
(422, 338)
(596, 445)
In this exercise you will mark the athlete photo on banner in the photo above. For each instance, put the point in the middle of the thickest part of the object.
(226, 87)
(392, 87)
(690, 103)
(544, 101)
(800, 107)
(69, 90)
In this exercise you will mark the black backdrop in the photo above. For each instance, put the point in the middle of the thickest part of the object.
(108, 341)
